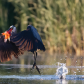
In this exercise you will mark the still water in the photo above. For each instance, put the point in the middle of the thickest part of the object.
(18, 71)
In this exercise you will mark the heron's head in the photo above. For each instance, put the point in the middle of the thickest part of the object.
(12, 29)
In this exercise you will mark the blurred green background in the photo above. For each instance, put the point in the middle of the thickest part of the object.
(60, 23)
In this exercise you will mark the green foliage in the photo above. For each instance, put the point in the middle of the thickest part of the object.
(51, 18)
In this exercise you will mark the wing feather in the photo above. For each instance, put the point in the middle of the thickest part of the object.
(23, 44)
(20, 42)
(29, 46)
(7, 50)
(23, 40)
(28, 40)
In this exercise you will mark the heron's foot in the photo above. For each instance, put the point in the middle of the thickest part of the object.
(34, 65)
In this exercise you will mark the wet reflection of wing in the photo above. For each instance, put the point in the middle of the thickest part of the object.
(24, 40)
(7, 50)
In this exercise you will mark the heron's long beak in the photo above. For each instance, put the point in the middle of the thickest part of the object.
(10, 30)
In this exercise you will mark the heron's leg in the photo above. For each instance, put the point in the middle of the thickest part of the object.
(35, 55)
(34, 65)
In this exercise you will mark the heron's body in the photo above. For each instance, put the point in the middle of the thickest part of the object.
(27, 40)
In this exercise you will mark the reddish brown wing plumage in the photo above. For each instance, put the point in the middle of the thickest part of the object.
(26, 41)
(7, 50)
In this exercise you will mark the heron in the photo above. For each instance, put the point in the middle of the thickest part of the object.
(12, 43)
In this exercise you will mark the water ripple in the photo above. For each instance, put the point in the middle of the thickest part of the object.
(40, 66)
(42, 77)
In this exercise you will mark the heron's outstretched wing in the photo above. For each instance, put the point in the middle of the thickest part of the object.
(7, 50)
(27, 40)
(24, 40)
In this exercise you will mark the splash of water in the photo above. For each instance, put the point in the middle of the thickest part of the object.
(61, 70)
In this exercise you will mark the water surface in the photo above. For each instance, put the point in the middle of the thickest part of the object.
(19, 71)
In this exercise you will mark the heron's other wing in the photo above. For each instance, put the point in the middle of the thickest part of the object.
(24, 40)
(7, 50)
